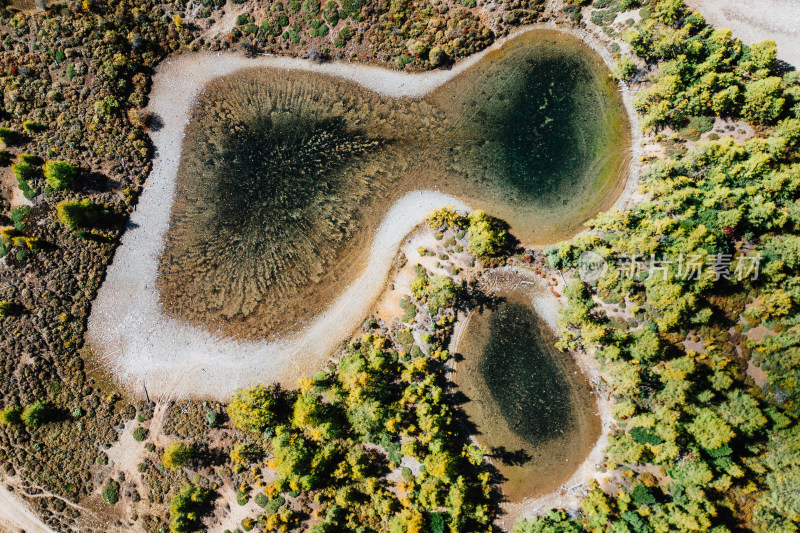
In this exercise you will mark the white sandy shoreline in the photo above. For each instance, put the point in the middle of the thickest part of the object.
(142, 346)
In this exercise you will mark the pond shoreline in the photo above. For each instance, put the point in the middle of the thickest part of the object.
(567, 496)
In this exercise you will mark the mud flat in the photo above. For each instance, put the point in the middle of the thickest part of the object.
(145, 347)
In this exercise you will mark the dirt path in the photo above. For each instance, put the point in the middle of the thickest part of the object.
(15, 515)
(757, 20)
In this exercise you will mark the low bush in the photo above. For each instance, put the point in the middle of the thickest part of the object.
(60, 175)
(111, 493)
(11, 415)
(139, 434)
(75, 214)
(177, 454)
(187, 508)
(35, 414)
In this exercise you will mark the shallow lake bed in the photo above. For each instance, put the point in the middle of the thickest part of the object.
(284, 176)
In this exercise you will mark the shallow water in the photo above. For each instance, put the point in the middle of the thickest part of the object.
(528, 403)
(285, 175)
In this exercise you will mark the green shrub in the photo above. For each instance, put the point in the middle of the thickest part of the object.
(346, 33)
(273, 505)
(139, 434)
(352, 8)
(332, 12)
(187, 508)
(25, 169)
(18, 215)
(75, 214)
(111, 493)
(11, 415)
(486, 239)
(32, 127)
(7, 137)
(244, 18)
(261, 500)
(624, 69)
(9, 309)
(60, 175)
(254, 409)
(177, 454)
(35, 414)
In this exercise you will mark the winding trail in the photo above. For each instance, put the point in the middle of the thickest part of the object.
(16, 515)
(144, 347)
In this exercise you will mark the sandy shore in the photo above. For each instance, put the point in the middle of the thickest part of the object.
(142, 346)
(757, 20)
(17, 516)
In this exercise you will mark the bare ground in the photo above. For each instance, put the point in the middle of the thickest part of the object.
(15, 515)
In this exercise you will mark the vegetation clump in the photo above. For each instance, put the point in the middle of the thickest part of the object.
(187, 508)
(60, 175)
(177, 454)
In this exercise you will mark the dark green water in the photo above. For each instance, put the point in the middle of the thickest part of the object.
(285, 175)
(544, 131)
(522, 376)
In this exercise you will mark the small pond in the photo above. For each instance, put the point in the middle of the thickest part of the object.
(527, 402)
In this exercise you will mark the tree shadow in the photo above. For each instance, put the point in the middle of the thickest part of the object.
(510, 457)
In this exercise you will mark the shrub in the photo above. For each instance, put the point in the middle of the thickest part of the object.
(311, 6)
(11, 415)
(261, 500)
(35, 414)
(111, 493)
(76, 214)
(332, 12)
(486, 239)
(60, 175)
(273, 505)
(32, 127)
(762, 100)
(9, 309)
(436, 56)
(7, 137)
(187, 508)
(624, 69)
(177, 454)
(18, 215)
(139, 434)
(254, 408)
